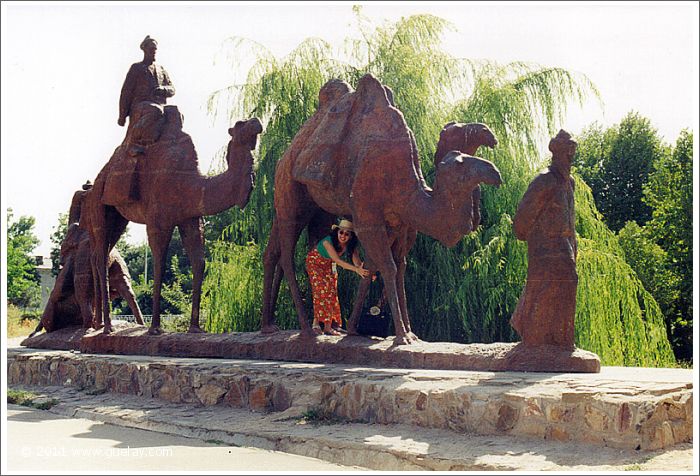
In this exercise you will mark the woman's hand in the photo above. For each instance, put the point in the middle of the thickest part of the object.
(362, 271)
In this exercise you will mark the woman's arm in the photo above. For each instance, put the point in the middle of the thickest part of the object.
(342, 263)
(356, 259)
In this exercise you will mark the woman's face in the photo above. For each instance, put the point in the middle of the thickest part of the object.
(344, 236)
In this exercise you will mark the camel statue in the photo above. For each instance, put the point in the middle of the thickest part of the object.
(355, 156)
(71, 301)
(465, 138)
(164, 189)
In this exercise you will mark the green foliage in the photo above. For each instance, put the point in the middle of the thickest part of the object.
(467, 293)
(22, 278)
(616, 317)
(20, 323)
(234, 285)
(29, 399)
(177, 278)
(669, 193)
(59, 233)
(651, 263)
(616, 163)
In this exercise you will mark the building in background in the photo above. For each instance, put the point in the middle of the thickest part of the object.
(43, 267)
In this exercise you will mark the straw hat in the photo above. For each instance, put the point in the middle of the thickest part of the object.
(344, 224)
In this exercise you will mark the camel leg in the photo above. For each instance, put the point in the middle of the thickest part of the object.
(192, 235)
(99, 260)
(84, 291)
(96, 316)
(377, 245)
(276, 283)
(401, 294)
(123, 287)
(362, 291)
(107, 226)
(158, 240)
(288, 236)
(400, 258)
(271, 280)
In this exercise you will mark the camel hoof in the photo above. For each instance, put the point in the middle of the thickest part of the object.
(413, 337)
(155, 331)
(196, 330)
(107, 329)
(401, 340)
(271, 329)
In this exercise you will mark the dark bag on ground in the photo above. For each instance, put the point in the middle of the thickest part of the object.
(375, 319)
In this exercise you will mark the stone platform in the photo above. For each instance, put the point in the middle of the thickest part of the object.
(624, 408)
(129, 339)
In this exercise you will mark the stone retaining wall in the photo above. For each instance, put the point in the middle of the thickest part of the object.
(596, 408)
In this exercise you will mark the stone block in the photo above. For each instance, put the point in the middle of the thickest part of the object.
(237, 395)
(259, 397)
(556, 433)
(210, 394)
(170, 391)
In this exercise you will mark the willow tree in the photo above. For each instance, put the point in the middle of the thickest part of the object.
(464, 294)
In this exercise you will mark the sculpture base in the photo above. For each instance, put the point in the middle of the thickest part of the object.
(129, 339)
(620, 407)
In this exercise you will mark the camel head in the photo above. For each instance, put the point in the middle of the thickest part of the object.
(245, 133)
(456, 177)
(466, 138)
(244, 138)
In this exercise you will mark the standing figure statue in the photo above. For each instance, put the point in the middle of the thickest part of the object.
(545, 219)
(145, 91)
(76, 204)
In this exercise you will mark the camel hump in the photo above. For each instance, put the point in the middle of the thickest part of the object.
(317, 163)
(120, 178)
(121, 173)
(342, 115)
(373, 93)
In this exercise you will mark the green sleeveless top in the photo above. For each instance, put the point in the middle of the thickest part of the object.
(322, 250)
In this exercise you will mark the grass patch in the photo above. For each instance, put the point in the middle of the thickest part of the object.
(633, 467)
(29, 399)
(20, 323)
(45, 404)
(317, 416)
(20, 397)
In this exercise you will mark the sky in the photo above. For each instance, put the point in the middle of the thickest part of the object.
(63, 65)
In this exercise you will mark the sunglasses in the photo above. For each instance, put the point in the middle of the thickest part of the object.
(344, 233)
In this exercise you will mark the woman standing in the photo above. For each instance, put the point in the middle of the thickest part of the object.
(321, 262)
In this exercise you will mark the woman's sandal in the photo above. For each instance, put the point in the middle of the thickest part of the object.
(317, 329)
(332, 332)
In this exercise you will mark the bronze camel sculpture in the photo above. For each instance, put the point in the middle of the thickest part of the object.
(167, 190)
(357, 157)
(465, 138)
(72, 300)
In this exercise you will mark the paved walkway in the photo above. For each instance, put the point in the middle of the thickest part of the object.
(378, 447)
(45, 442)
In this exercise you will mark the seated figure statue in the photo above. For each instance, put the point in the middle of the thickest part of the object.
(145, 91)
